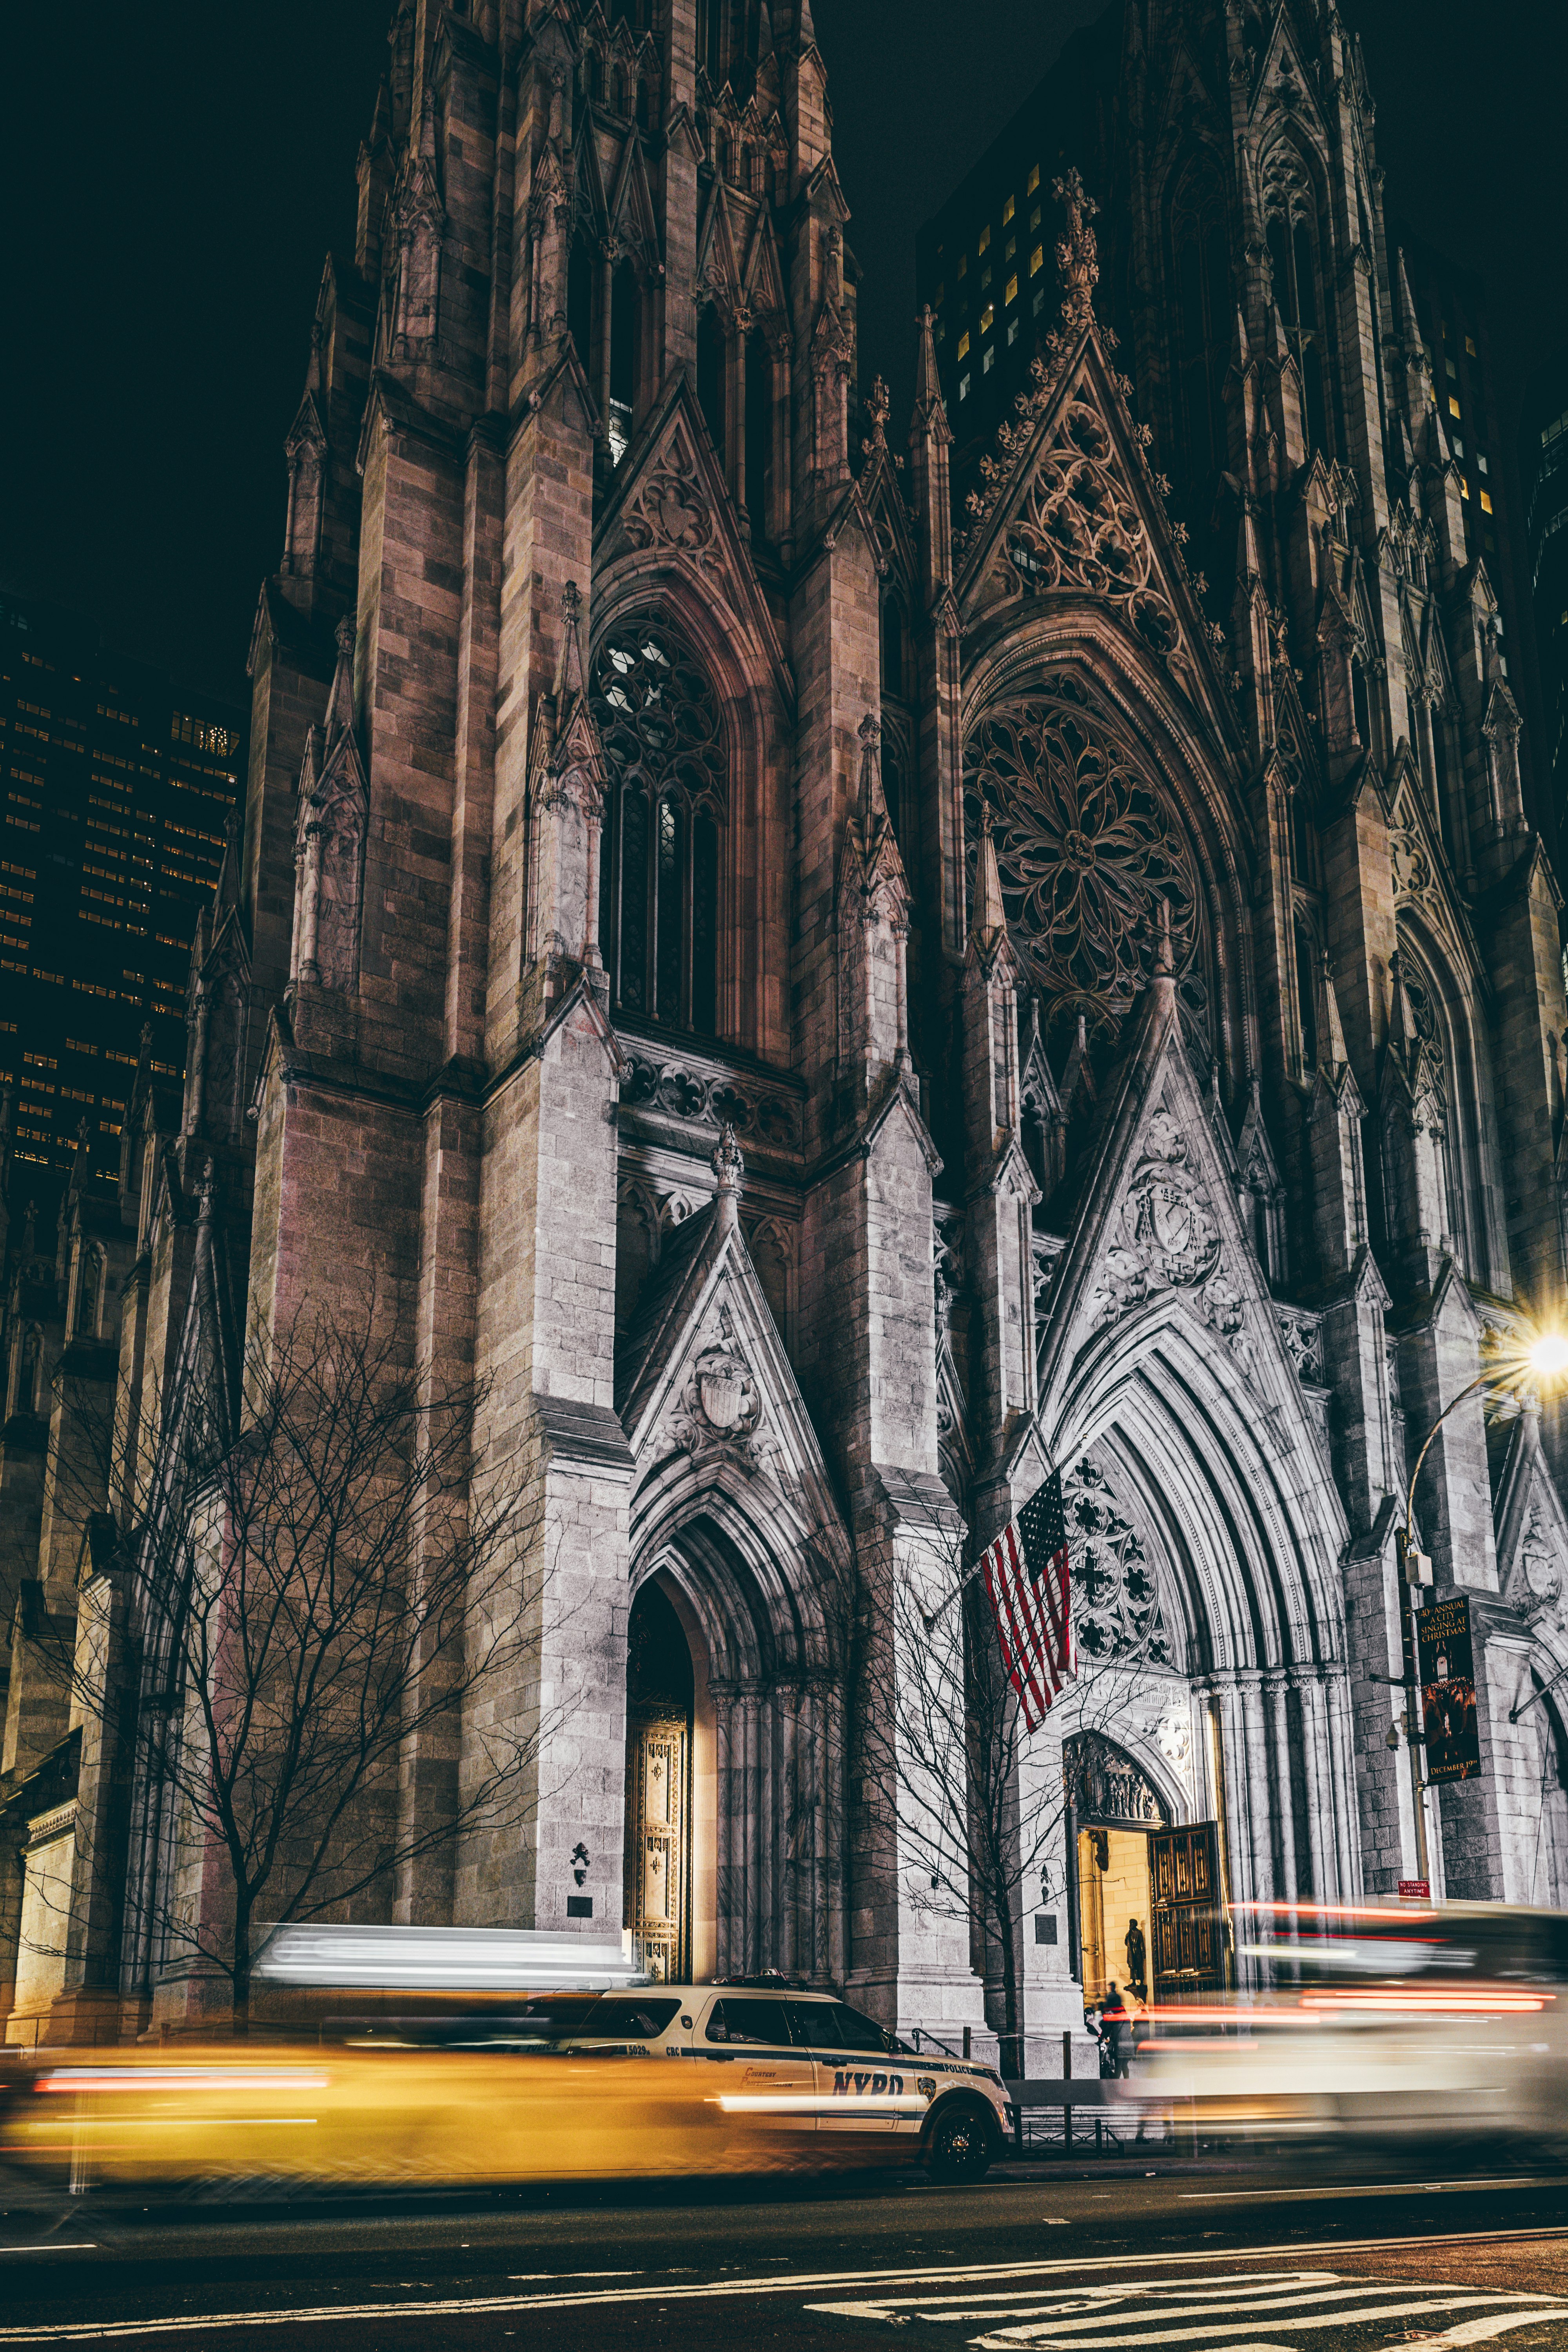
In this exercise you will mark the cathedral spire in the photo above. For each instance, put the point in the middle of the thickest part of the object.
(930, 433)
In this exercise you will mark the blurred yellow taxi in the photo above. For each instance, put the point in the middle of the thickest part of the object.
(563, 2089)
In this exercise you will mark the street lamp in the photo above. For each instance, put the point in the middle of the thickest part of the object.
(1541, 1357)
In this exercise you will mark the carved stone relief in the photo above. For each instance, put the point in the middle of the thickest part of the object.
(1115, 1592)
(1163, 1235)
(719, 1408)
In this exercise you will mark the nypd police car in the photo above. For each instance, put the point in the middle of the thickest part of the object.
(809, 2063)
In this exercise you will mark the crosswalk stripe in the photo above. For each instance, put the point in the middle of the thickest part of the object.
(1473, 2331)
(1012, 2338)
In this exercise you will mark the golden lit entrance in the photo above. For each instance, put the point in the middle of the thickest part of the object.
(658, 1787)
(1145, 1911)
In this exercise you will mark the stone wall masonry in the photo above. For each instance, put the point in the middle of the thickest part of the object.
(408, 691)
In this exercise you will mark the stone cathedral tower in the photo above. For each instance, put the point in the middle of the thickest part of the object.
(833, 1008)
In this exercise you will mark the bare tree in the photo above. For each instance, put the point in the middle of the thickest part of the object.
(321, 1606)
(945, 1738)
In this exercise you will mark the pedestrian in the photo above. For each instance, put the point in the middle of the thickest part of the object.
(1115, 2026)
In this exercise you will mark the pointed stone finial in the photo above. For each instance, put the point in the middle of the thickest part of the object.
(1164, 954)
(870, 805)
(1241, 347)
(729, 1168)
(341, 701)
(1407, 300)
(1332, 1051)
(1401, 1026)
(990, 924)
(1078, 252)
(570, 676)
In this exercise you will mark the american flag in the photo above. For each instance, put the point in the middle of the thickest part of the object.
(1026, 1583)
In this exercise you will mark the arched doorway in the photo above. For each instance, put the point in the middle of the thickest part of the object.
(659, 1701)
(1145, 1895)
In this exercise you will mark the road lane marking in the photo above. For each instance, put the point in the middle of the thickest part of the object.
(955, 2275)
(1376, 2188)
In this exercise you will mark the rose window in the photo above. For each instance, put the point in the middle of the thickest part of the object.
(1086, 850)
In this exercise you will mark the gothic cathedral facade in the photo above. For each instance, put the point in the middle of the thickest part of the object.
(831, 1008)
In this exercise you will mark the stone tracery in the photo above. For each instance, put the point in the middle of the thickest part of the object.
(1086, 848)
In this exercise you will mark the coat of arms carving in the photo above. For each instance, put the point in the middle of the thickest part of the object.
(720, 1407)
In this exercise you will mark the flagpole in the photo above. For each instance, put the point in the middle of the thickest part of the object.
(932, 1618)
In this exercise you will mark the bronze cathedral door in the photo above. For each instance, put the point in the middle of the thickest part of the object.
(658, 1789)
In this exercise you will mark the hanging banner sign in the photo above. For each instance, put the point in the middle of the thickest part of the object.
(1447, 1677)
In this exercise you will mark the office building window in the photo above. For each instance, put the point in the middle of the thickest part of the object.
(1033, 181)
(963, 345)
(1010, 249)
(1007, 212)
(964, 387)
(1039, 303)
(1453, 406)
(987, 357)
(1464, 487)
(985, 277)
(1037, 260)
(1010, 291)
(1482, 466)
(984, 243)
(1485, 502)
(986, 316)
(962, 265)
(1470, 346)
(1012, 331)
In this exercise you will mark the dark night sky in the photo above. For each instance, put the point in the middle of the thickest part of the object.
(175, 185)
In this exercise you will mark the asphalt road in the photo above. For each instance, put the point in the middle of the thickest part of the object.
(1241, 2257)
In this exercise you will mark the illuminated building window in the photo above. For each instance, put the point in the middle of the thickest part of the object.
(1012, 331)
(1470, 346)
(1453, 370)
(1482, 466)
(1464, 487)
(986, 316)
(1485, 502)
(1037, 260)
(964, 387)
(1007, 212)
(963, 345)
(1453, 406)
(987, 357)
(984, 244)
(1010, 291)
